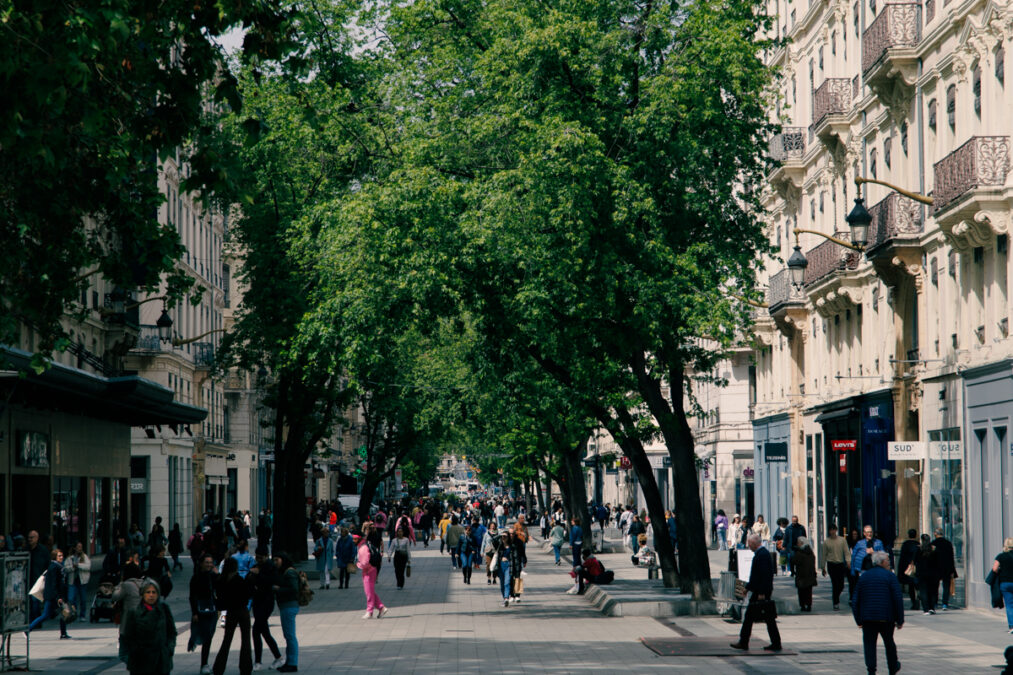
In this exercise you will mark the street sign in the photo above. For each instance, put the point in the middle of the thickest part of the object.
(841, 446)
(905, 450)
(625, 464)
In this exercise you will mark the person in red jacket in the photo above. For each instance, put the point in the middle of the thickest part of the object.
(592, 572)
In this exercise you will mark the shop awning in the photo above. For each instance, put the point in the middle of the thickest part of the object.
(130, 399)
(835, 414)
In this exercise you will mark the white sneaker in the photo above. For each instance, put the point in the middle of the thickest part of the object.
(258, 666)
(367, 615)
(205, 670)
(382, 613)
(278, 663)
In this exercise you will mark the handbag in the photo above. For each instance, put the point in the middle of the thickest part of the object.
(351, 568)
(910, 571)
(68, 613)
(408, 569)
(38, 588)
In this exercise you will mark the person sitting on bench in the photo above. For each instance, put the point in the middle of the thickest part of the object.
(592, 572)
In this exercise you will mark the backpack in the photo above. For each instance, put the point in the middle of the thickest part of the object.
(305, 593)
(375, 556)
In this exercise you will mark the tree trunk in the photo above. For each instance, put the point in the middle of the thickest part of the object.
(289, 506)
(369, 485)
(575, 496)
(538, 493)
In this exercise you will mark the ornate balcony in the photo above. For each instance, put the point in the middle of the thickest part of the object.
(895, 237)
(970, 204)
(787, 149)
(826, 282)
(831, 105)
(204, 354)
(889, 55)
(786, 303)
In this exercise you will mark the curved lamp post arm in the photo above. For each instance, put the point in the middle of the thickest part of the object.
(907, 193)
(846, 244)
(180, 343)
(752, 303)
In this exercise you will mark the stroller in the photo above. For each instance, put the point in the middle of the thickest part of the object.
(102, 605)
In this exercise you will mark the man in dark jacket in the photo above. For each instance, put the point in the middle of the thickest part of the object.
(791, 535)
(761, 605)
(946, 564)
(878, 607)
(38, 564)
(907, 556)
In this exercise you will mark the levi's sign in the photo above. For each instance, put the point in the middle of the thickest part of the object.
(905, 450)
(841, 446)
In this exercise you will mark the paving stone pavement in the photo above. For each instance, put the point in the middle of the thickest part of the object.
(437, 624)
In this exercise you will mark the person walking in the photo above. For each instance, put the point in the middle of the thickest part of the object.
(443, 525)
(636, 529)
(1002, 567)
(805, 573)
(323, 551)
(367, 556)
(557, 535)
(203, 609)
(761, 528)
(502, 555)
(286, 593)
(761, 604)
(946, 565)
(927, 571)
(878, 608)
(54, 594)
(263, 577)
(778, 539)
(399, 551)
(157, 567)
(791, 534)
(721, 529)
(454, 532)
(175, 546)
(149, 633)
(469, 548)
(864, 548)
(577, 541)
(344, 555)
(77, 570)
(834, 560)
(233, 594)
(908, 551)
(489, 551)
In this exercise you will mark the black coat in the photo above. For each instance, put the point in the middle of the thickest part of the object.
(907, 556)
(150, 639)
(761, 574)
(946, 565)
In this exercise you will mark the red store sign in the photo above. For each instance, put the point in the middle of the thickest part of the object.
(841, 446)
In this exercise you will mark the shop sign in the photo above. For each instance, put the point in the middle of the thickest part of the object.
(775, 452)
(844, 463)
(138, 486)
(899, 451)
(841, 446)
(946, 450)
(625, 464)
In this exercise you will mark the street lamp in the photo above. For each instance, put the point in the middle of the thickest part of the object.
(164, 324)
(859, 220)
(796, 266)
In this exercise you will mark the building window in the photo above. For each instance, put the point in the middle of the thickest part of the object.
(875, 299)
(854, 13)
(951, 106)
(932, 114)
(903, 137)
(812, 210)
(872, 7)
(952, 264)
(823, 196)
(886, 152)
(821, 59)
(1000, 66)
(934, 268)
(979, 255)
(976, 88)
(794, 91)
(872, 162)
(833, 43)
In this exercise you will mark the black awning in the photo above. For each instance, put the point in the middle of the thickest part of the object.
(836, 414)
(130, 400)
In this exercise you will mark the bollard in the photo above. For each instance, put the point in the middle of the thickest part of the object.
(652, 572)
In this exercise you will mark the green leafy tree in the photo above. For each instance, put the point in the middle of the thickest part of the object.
(94, 92)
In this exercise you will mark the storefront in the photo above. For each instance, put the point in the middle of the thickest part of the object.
(859, 481)
(988, 398)
(771, 467)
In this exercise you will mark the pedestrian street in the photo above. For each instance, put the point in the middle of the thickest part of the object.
(437, 624)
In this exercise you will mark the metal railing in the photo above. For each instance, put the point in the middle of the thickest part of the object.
(148, 340)
(828, 258)
(782, 291)
(898, 25)
(204, 354)
(893, 218)
(981, 161)
(831, 98)
(789, 144)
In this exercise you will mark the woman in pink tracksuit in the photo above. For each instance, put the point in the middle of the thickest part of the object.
(368, 575)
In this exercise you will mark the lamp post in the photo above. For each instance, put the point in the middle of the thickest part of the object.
(164, 324)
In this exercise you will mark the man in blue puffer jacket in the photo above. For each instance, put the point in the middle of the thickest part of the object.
(878, 607)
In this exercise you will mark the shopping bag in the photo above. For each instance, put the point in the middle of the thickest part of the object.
(38, 588)
(408, 570)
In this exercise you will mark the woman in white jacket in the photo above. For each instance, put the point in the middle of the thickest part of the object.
(77, 569)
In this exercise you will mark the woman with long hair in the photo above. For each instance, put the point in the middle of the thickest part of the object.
(264, 577)
(367, 554)
(1003, 568)
(399, 551)
(286, 592)
(927, 573)
(233, 594)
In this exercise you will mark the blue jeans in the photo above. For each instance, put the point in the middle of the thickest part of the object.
(504, 578)
(722, 540)
(50, 608)
(76, 595)
(575, 551)
(288, 612)
(555, 549)
(1007, 597)
(501, 521)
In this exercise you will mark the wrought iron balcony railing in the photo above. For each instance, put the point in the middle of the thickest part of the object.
(828, 258)
(981, 161)
(898, 25)
(781, 291)
(833, 97)
(893, 218)
(789, 144)
(204, 354)
(147, 339)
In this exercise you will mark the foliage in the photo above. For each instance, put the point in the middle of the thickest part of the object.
(95, 92)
